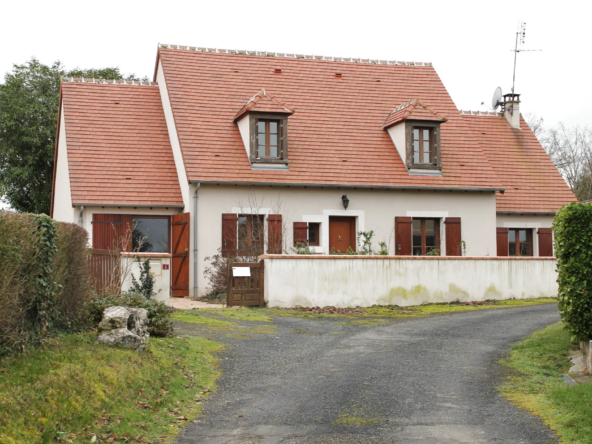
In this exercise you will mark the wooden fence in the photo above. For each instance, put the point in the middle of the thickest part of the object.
(105, 267)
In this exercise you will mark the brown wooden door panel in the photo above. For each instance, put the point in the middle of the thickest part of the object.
(229, 234)
(342, 233)
(502, 241)
(246, 290)
(453, 236)
(274, 234)
(111, 232)
(180, 252)
(545, 242)
(403, 238)
(300, 233)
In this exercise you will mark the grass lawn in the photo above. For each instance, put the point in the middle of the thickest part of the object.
(413, 311)
(536, 384)
(72, 390)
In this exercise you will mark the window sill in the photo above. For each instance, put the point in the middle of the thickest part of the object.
(270, 166)
(133, 254)
(425, 172)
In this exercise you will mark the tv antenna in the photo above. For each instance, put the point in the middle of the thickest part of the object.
(520, 38)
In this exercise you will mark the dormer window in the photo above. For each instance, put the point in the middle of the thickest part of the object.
(423, 145)
(269, 134)
(263, 125)
(269, 139)
(415, 130)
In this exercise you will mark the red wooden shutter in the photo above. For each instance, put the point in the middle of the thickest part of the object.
(545, 242)
(300, 232)
(502, 241)
(274, 234)
(112, 232)
(229, 234)
(180, 250)
(403, 236)
(453, 236)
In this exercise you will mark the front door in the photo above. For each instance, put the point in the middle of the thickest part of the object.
(342, 234)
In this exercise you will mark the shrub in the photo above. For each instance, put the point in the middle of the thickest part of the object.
(146, 285)
(217, 273)
(572, 229)
(44, 279)
(159, 314)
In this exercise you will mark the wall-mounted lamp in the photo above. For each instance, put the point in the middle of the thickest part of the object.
(345, 201)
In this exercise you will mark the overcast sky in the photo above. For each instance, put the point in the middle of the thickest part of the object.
(468, 42)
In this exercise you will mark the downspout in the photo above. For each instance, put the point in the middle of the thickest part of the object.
(195, 240)
(80, 217)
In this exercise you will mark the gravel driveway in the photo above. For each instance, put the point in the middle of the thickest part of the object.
(426, 380)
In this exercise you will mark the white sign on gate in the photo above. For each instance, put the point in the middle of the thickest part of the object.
(241, 271)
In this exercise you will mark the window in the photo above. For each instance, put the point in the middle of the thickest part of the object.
(426, 236)
(250, 234)
(268, 139)
(314, 234)
(150, 235)
(422, 145)
(519, 242)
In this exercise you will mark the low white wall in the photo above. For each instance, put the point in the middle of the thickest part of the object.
(363, 281)
(160, 268)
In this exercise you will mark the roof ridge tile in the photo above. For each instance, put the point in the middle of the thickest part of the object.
(292, 56)
(108, 81)
(478, 113)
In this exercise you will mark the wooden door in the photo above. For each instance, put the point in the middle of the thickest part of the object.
(342, 234)
(180, 250)
(403, 236)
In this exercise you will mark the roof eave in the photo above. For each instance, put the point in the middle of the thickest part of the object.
(363, 186)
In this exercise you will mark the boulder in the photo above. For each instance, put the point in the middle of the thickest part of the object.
(124, 327)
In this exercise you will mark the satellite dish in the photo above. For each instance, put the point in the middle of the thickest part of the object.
(496, 101)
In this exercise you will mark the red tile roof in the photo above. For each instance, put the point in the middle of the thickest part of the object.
(262, 102)
(532, 181)
(118, 144)
(335, 134)
(412, 110)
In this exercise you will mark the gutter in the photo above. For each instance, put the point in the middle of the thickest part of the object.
(97, 204)
(378, 187)
(195, 240)
(80, 217)
(528, 213)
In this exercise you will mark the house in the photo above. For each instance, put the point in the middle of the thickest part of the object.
(252, 152)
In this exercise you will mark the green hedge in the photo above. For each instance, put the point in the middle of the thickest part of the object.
(44, 281)
(572, 229)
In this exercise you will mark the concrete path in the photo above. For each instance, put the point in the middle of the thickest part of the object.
(190, 304)
(429, 380)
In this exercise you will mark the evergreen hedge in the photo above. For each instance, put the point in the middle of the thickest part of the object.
(44, 279)
(572, 229)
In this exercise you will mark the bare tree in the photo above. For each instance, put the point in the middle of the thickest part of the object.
(570, 148)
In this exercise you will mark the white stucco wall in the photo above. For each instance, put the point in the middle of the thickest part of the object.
(526, 221)
(374, 209)
(62, 204)
(174, 138)
(363, 282)
(397, 133)
(162, 276)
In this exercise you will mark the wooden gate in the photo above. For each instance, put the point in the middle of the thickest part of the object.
(245, 290)
(180, 274)
(105, 269)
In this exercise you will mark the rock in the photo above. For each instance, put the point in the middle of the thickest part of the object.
(114, 317)
(124, 327)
